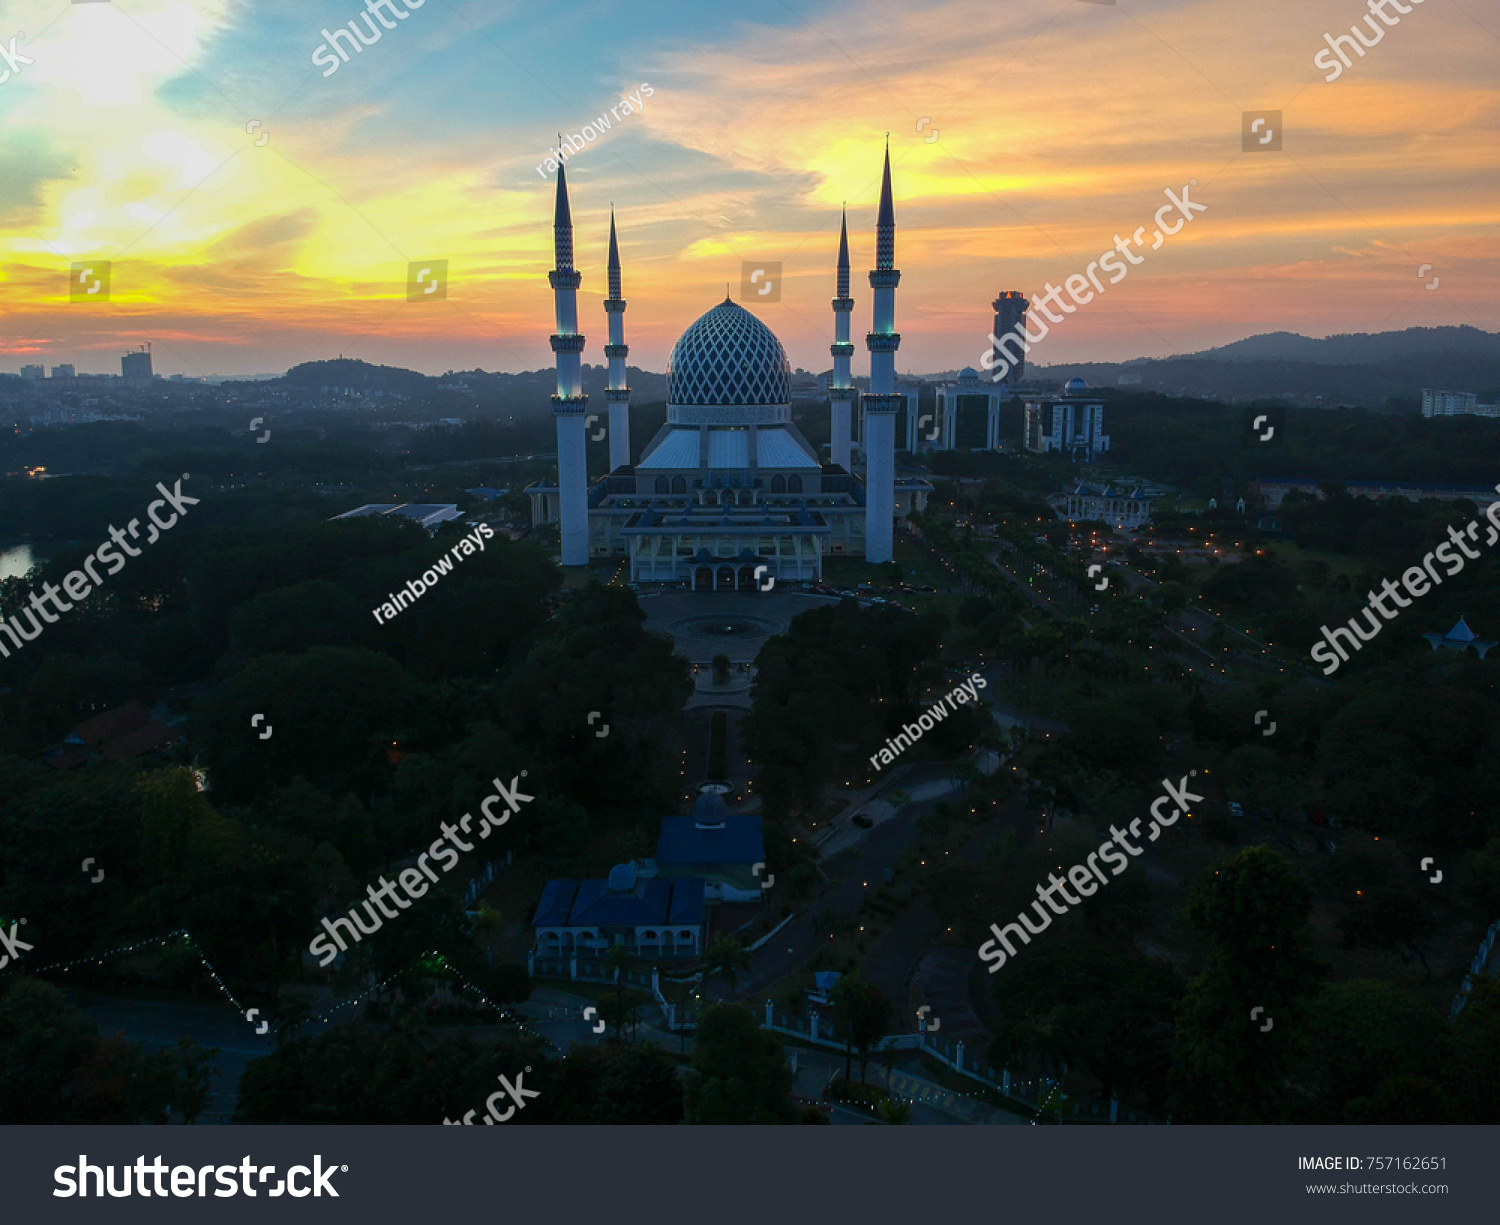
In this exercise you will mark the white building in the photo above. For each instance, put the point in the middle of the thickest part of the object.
(1119, 508)
(1455, 404)
(1072, 425)
(941, 433)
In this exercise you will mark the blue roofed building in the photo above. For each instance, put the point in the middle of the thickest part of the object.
(653, 917)
(716, 846)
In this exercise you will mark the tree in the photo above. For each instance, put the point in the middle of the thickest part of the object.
(1361, 1034)
(1228, 1068)
(614, 1083)
(619, 958)
(740, 1073)
(862, 1017)
(1104, 1009)
(725, 958)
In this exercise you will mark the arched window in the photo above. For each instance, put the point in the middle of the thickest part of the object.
(794, 484)
(679, 484)
(663, 485)
(778, 483)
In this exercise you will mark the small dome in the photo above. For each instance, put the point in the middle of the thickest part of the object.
(968, 375)
(1074, 385)
(709, 812)
(728, 357)
(621, 878)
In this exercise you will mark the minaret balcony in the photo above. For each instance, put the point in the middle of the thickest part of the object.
(572, 343)
(569, 406)
(842, 348)
(565, 279)
(617, 395)
(843, 305)
(889, 402)
(885, 278)
(614, 306)
(616, 350)
(883, 342)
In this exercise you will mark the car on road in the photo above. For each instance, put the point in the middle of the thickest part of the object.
(1236, 809)
(863, 821)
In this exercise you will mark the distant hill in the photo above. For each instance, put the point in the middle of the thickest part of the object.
(1381, 370)
(1356, 348)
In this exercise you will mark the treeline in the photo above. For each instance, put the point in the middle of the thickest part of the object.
(1196, 442)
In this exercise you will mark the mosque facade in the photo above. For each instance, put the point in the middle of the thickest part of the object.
(728, 493)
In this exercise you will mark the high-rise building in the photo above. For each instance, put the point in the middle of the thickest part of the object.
(1010, 316)
(136, 365)
(33, 372)
(1455, 404)
(1071, 425)
(64, 371)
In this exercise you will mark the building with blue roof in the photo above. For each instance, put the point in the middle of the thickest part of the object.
(716, 846)
(653, 917)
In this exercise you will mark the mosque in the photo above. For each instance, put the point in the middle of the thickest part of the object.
(729, 490)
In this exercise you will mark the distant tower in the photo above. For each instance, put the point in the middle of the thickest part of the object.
(136, 365)
(569, 402)
(882, 401)
(841, 391)
(617, 394)
(1010, 316)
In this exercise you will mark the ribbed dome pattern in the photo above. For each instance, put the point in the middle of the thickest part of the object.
(728, 357)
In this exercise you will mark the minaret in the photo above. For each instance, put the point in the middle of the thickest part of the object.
(617, 394)
(881, 401)
(841, 391)
(569, 402)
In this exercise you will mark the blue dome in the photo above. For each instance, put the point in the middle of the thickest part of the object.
(709, 811)
(621, 878)
(1075, 384)
(728, 357)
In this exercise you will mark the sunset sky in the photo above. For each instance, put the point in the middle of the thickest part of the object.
(1059, 124)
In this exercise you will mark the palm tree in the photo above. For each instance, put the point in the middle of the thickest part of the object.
(620, 959)
(725, 958)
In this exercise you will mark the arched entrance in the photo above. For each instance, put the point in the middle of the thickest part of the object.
(703, 578)
(747, 579)
(726, 578)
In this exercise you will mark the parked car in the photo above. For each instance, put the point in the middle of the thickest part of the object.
(1236, 809)
(863, 821)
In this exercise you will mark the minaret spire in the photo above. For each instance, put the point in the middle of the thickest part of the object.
(885, 223)
(569, 402)
(616, 394)
(883, 401)
(841, 391)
